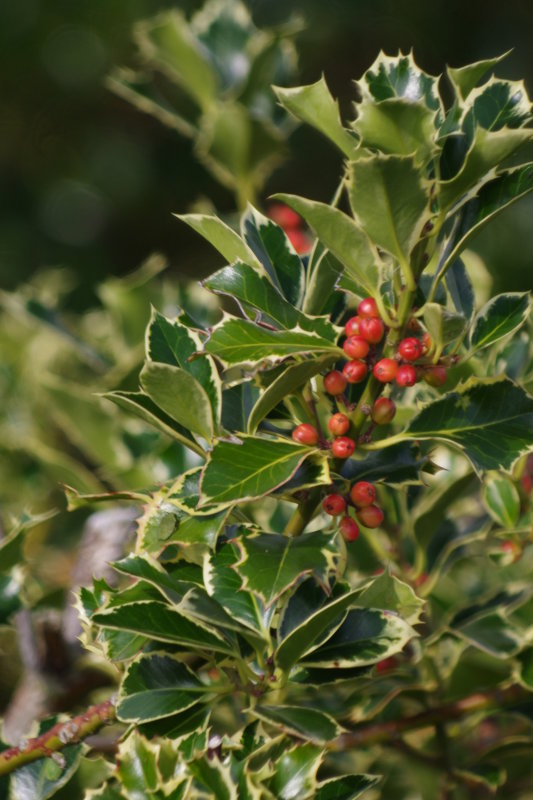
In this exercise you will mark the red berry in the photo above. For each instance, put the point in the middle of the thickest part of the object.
(355, 371)
(343, 447)
(352, 326)
(284, 216)
(427, 343)
(334, 505)
(526, 482)
(362, 494)
(406, 375)
(386, 664)
(435, 376)
(339, 424)
(371, 329)
(305, 434)
(349, 529)
(335, 383)
(410, 349)
(356, 347)
(368, 308)
(383, 411)
(385, 370)
(370, 516)
(299, 240)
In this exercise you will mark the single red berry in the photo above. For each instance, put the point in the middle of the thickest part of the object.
(335, 383)
(370, 516)
(511, 549)
(299, 240)
(355, 371)
(427, 343)
(356, 347)
(339, 424)
(435, 376)
(352, 326)
(526, 482)
(406, 375)
(305, 434)
(284, 216)
(385, 370)
(362, 494)
(410, 349)
(371, 329)
(334, 505)
(383, 411)
(343, 447)
(349, 529)
(386, 665)
(368, 308)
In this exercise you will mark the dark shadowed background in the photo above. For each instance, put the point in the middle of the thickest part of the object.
(89, 183)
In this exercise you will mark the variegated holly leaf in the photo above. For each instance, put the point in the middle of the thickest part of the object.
(500, 317)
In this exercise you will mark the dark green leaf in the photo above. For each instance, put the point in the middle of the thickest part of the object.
(256, 466)
(250, 289)
(343, 237)
(179, 725)
(434, 506)
(163, 624)
(399, 77)
(292, 378)
(493, 634)
(390, 200)
(272, 248)
(10, 599)
(272, 563)
(237, 403)
(170, 342)
(156, 686)
(215, 777)
(307, 723)
(467, 77)
(391, 594)
(295, 772)
(397, 466)
(314, 105)
(501, 499)
(347, 787)
(224, 584)
(137, 766)
(461, 289)
(180, 396)
(237, 341)
(488, 150)
(365, 637)
(144, 407)
(490, 420)
(498, 104)
(144, 567)
(500, 317)
(323, 273)
(222, 237)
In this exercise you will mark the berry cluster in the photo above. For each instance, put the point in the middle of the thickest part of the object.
(401, 368)
(292, 224)
(362, 496)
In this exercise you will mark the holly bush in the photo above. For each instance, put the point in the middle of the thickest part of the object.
(335, 597)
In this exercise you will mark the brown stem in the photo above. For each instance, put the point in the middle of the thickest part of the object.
(383, 732)
(59, 736)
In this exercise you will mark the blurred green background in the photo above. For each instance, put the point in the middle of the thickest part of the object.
(89, 183)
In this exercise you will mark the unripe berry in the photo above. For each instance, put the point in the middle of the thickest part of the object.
(284, 216)
(385, 370)
(371, 329)
(343, 447)
(383, 411)
(435, 376)
(362, 494)
(352, 326)
(349, 529)
(355, 371)
(410, 349)
(339, 424)
(406, 375)
(370, 516)
(335, 383)
(356, 347)
(427, 343)
(305, 434)
(368, 308)
(334, 505)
